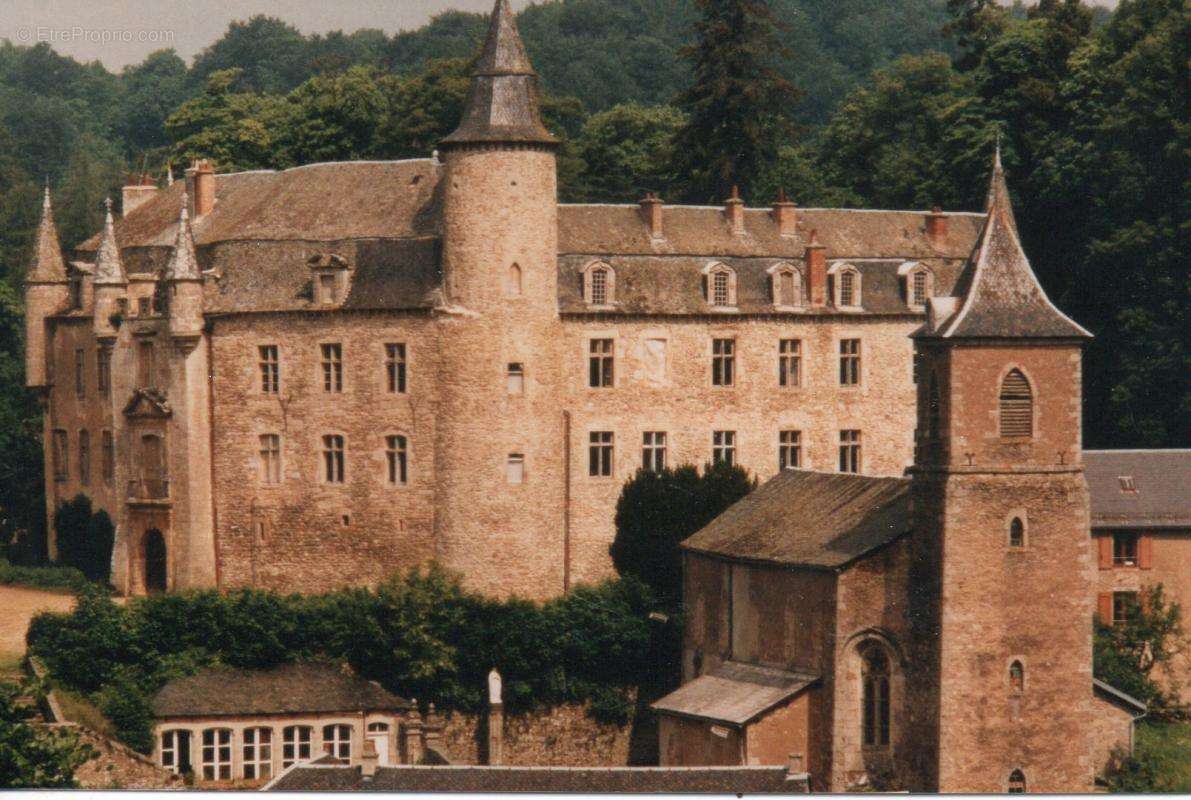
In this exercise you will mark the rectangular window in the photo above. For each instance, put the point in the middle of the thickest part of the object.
(653, 450)
(720, 289)
(918, 290)
(397, 453)
(723, 362)
(599, 287)
(103, 370)
(849, 451)
(270, 369)
(144, 306)
(337, 741)
(789, 362)
(326, 289)
(789, 450)
(1124, 606)
(217, 754)
(395, 367)
(333, 458)
(600, 363)
(108, 444)
(515, 468)
(1124, 549)
(84, 457)
(80, 373)
(849, 362)
(270, 458)
(332, 367)
(516, 378)
(599, 454)
(145, 367)
(723, 447)
(295, 744)
(60, 455)
(847, 288)
(258, 753)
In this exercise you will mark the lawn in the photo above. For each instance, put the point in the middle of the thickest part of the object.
(1161, 759)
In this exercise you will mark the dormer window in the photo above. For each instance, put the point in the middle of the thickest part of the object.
(599, 284)
(918, 284)
(845, 282)
(786, 284)
(330, 278)
(719, 286)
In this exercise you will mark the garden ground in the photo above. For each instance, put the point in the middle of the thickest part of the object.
(18, 605)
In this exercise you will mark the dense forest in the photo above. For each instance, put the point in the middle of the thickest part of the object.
(869, 103)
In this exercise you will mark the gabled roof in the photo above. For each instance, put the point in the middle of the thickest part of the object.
(815, 519)
(1001, 295)
(502, 102)
(300, 688)
(1139, 488)
(109, 269)
(48, 265)
(734, 693)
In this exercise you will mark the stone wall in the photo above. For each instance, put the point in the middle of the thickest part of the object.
(563, 736)
(115, 766)
(1112, 733)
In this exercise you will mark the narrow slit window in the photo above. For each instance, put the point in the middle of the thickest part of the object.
(395, 367)
(270, 369)
(515, 377)
(333, 460)
(515, 468)
(84, 457)
(270, 451)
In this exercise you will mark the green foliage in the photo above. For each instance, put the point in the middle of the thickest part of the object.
(65, 578)
(1131, 655)
(1160, 760)
(628, 151)
(85, 539)
(656, 511)
(22, 498)
(32, 756)
(129, 711)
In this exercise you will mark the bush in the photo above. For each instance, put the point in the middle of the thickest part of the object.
(130, 712)
(1160, 760)
(65, 578)
(1128, 655)
(85, 539)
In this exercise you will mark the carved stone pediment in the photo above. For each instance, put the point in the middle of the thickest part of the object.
(148, 403)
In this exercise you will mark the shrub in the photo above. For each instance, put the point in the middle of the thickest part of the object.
(127, 707)
(85, 539)
(1127, 655)
(65, 578)
(34, 756)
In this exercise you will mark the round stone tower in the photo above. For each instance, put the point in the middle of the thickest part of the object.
(500, 447)
(46, 292)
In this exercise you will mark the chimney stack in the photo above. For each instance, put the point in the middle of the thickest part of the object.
(137, 190)
(432, 730)
(411, 734)
(651, 212)
(936, 226)
(496, 720)
(785, 214)
(816, 270)
(200, 185)
(734, 211)
(369, 759)
(794, 765)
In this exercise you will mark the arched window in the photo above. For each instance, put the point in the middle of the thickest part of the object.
(1017, 782)
(1017, 678)
(1017, 405)
(845, 282)
(1017, 533)
(875, 709)
(599, 284)
(919, 283)
(513, 281)
(786, 285)
(719, 286)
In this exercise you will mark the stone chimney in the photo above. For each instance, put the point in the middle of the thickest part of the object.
(816, 270)
(369, 760)
(136, 192)
(785, 214)
(200, 186)
(651, 213)
(936, 226)
(734, 211)
(496, 720)
(432, 730)
(411, 735)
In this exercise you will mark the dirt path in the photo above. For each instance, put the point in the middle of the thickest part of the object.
(17, 607)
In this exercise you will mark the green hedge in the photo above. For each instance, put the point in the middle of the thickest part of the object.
(66, 578)
(420, 635)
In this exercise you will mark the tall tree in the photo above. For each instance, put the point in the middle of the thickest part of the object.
(35, 756)
(626, 151)
(740, 106)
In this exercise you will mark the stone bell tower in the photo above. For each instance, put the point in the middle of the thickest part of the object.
(499, 455)
(1001, 689)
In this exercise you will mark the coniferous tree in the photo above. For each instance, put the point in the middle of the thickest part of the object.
(739, 107)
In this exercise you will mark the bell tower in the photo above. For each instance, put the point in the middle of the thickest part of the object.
(1001, 689)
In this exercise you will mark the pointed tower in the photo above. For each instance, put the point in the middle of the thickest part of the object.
(1001, 687)
(185, 281)
(109, 280)
(47, 291)
(500, 283)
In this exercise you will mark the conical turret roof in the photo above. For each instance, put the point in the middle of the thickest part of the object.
(108, 267)
(183, 264)
(48, 265)
(503, 102)
(1000, 294)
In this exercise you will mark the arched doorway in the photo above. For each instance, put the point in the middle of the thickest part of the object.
(155, 569)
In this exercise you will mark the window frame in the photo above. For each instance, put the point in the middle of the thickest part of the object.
(60, 454)
(215, 768)
(1015, 407)
(80, 373)
(789, 363)
(850, 451)
(269, 362)
(1017, 529)
(654, 445)
(397, 459)
(851, 353)
(711, 277)
(776, 274)
(108, 455)
(601, 362)
(601, 454)
(515, 461)
(256, 749)
(294, 746)
(723, 447)
(789, 443)
(396, 368)
(591, 292)
(336, 742)
(271, 468)
(146, 363)
(333, 468)
(103, 370)
(876, 715)
(723, 361)
(331, 354)
(837, 274)
(515, 378)
(1122, 601)
(1126, 541)
(84, 457)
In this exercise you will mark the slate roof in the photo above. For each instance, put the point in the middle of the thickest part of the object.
(299, 688)
(585, 780)
(804, 518)
(108, 267)
(1001, 295)
(48, 265)
(1115, 695)
(1162, 479)
(734, 693)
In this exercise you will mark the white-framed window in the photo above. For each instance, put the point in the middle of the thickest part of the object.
(653, 450)
(295, 744)
(332, 353)
(845, 280)
(337, 740)
(397, 457)
(789, 362)
(515, 378)
(515, 468)
(175, 751)
(270, 462)
(723, 447)
(333, 458)
(786, 285)
(217, 754)
(270, 366)
(599, 284)
(849, 451)
(918, 283)
(719, 285)
(395, 367)
(258, 753)
(600, 448)
(789, 449)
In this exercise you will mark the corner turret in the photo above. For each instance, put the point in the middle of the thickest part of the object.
(47, 291)
(110, 282)
(185, 281)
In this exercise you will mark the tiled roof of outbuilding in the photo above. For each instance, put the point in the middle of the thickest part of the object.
(539, 780)
(304, 687)
(1161, 481)
(734, 693)
(804, 518)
